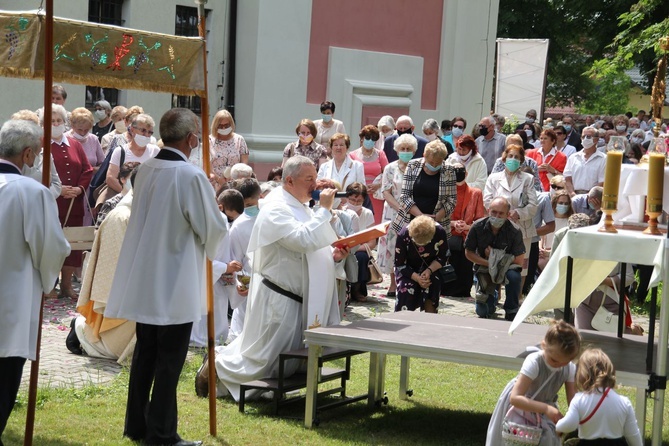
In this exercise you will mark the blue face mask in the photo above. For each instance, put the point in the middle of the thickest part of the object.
(496, 222)
(562, 208)
(405, 156)
(368, 143)
(252, 211)
(431, 168)
(567, 128)
(457, 132)
(512, 164)
(327, 118)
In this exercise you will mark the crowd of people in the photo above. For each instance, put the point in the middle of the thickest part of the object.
(487, 206)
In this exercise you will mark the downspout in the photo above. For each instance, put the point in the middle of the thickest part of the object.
(232, 59)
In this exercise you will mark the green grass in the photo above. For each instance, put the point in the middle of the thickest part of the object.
(451, 405)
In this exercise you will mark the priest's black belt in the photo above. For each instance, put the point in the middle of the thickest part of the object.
(277, 289)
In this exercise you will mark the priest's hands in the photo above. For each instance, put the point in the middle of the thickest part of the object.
(327, 199)
(339, 254)
(233, 267)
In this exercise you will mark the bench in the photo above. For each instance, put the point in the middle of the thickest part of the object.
(281, 385)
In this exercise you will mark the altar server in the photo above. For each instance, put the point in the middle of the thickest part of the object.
(33, 250)
(160, 282)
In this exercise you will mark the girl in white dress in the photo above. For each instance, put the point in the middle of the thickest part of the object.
(601, 415)
(534, 390)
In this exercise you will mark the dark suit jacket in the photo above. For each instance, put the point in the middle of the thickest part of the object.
(389, 147)
(574, 139)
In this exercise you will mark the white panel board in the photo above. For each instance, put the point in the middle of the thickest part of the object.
(521, 74)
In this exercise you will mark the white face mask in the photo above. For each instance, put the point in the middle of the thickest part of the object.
(127, 187)
(336, 203)
(528, 132)
(353, 207)
(100, 114)
(120, 126)
(57, 130)
(465, 157)
(142, 140)
(79, 137)
(224, 132)
(388, 134)
(431, 137)
(587, 142)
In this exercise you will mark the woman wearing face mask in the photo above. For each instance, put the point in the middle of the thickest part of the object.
(103, 116)
(226, 147)
(466, 153)
(529, 130)
(306, 145)
(468, 209)
(518, 188)
(341, 168)
(81, 121)
(428, 188)
(551, 162)
(139, 149)
(75, 173)
(432, 131)
(391, 188)
(620, 123)
(327, 126)
(118, 127)
(124, 135)
(459, 125)
(634, 154)
(562, 209)
(373, 161)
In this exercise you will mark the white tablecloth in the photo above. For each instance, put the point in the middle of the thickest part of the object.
(632, 193)
(595, 254)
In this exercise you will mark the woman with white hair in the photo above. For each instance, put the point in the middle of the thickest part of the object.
(105, 124)
(391, 188)
(138, 150)
(386, 126)
(75, 174)
(227, 147)
(432, 131)
(118, 127)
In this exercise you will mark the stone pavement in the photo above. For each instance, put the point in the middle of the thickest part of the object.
(59, 367)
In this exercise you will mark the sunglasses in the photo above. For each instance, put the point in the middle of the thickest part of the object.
(556, 187)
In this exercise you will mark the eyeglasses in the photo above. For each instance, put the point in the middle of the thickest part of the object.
(556, 187)
(143, 131)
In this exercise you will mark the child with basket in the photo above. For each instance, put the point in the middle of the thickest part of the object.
(526, 411)
(602, 416)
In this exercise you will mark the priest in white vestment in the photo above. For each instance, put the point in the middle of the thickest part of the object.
(293, 282)
(159, 280)
(33, 250)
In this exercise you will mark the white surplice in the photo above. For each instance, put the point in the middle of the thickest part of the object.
(174, 222)
(289, 245)
(240, 234)
(33, 250)
(219, 265)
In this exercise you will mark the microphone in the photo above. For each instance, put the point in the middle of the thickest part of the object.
(316, 195)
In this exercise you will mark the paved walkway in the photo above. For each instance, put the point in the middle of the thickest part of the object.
(59, 367)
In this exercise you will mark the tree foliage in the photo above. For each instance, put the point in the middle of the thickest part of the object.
(610, 96)
(580, 32)
(637, 41)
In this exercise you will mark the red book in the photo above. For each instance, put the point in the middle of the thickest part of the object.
(363, 236)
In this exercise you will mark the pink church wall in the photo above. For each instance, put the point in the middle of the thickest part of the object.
(391, 26)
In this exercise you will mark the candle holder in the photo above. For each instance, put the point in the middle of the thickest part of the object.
(615, 149)
(657, 151)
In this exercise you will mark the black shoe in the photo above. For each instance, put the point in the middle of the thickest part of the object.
(72, 342)
(510, 317)
(202, 379)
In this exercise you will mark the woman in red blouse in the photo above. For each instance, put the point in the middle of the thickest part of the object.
(468, 209)
(75, 173)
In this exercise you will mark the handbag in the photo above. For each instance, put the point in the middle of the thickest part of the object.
(447, 274)
(605, 320)
(351, 268)
(80, 238)
(375, 274)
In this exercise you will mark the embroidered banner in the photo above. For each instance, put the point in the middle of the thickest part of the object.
(102, 55)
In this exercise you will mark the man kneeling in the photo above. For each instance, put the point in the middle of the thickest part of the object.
(495, 246)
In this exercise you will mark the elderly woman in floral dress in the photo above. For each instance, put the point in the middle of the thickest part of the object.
(391, 188)
(227, 147)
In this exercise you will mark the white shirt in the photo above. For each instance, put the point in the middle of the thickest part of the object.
(585, 174)
(352, 171)
(33, 250)
(614, 418)
(149, 152)
(324, 134)
(568, 150)
(477, 170)
(174, 222)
